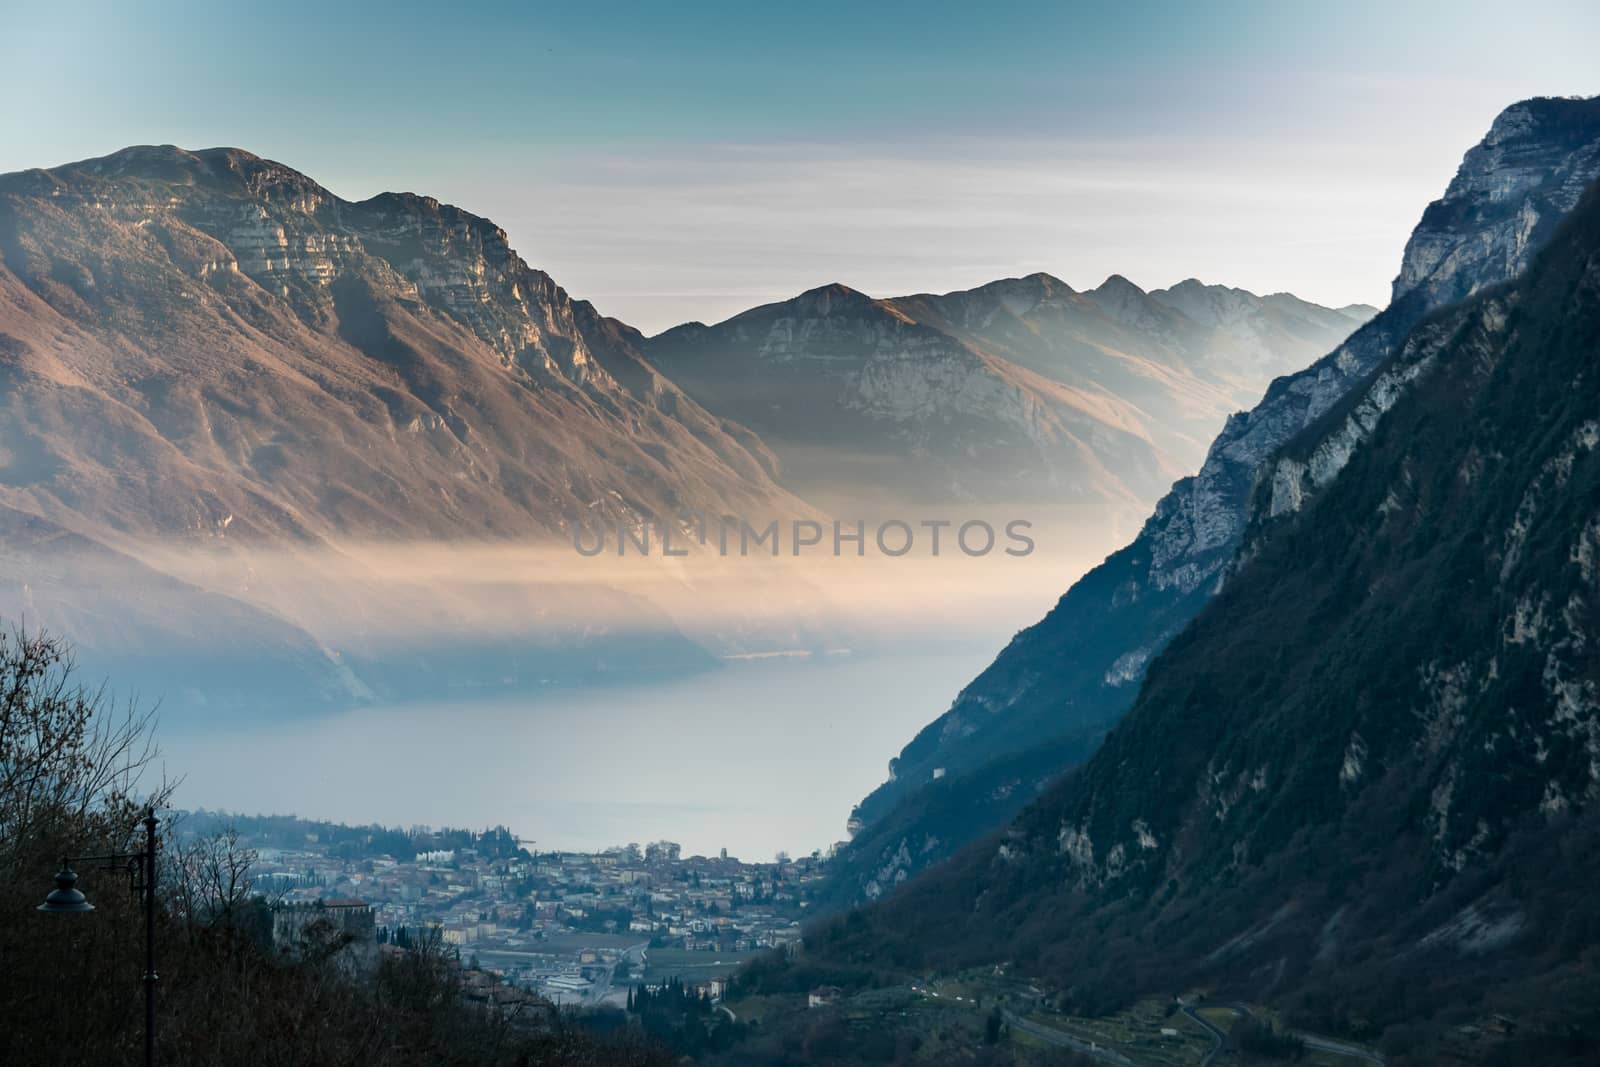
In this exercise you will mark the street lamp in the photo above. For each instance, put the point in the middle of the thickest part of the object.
(67, 899)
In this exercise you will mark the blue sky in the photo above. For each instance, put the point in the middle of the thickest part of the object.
(686, 160)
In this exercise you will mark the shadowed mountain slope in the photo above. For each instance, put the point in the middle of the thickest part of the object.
(1361, 785)
(1070, 676)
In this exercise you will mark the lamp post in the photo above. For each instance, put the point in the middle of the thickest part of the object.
(67, 899)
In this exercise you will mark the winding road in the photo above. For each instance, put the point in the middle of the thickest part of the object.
(1216, 1035)
(1316, 1041)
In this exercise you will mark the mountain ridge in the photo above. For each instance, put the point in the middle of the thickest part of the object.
(847, 388)
(1070, 373)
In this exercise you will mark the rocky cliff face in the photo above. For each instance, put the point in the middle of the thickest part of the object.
(1510, 193)
(1538, 156)
(1081, 666)
(1361, 785)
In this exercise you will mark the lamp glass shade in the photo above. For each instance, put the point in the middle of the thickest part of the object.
(65, 897)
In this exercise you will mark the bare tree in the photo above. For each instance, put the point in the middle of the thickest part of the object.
(210, 876)
(70, 759)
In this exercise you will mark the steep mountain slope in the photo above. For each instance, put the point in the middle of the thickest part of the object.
(1078, 669)
(212, 344)
(207, 352)
(868, 408)
(1361, 784)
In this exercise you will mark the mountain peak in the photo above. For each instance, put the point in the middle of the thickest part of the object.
(834, 291)
(1019, 293)
(1505, 199)
(1358, 310)
(1192, 285)
(228, 171)
(1124, 301)
(161, 162)
(1117, 285)
(138, 157)
(1040, 283)
(1047, 282)
(833, 298)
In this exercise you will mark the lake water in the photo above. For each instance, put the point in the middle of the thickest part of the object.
(757, 756)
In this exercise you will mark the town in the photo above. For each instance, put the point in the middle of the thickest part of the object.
(580, 929)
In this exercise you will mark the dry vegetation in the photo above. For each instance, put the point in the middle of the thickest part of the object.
(71, 772)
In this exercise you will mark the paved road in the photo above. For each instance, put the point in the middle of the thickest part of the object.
(1061, 1040)
(1325, 1044)
(1316, 1041)
(1216, 1035)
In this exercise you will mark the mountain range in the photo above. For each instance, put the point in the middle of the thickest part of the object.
(217, 373)
(1049, 697)
(1020, 392)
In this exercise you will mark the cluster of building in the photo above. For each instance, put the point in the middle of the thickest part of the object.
(578, 928)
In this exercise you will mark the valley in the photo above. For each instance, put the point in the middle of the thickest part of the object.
(919, 535)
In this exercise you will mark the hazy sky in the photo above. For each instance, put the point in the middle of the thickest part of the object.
(680, 160)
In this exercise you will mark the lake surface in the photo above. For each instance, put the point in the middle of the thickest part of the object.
(760, 755)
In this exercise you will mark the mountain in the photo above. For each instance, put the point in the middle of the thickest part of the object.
(1185, 357)
(867, 408)
(1062, 682)
(210, 344)
(1361, 784)
(207, 356)
(1021, 391)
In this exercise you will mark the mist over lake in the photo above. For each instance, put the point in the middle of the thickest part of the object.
(757, 756)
